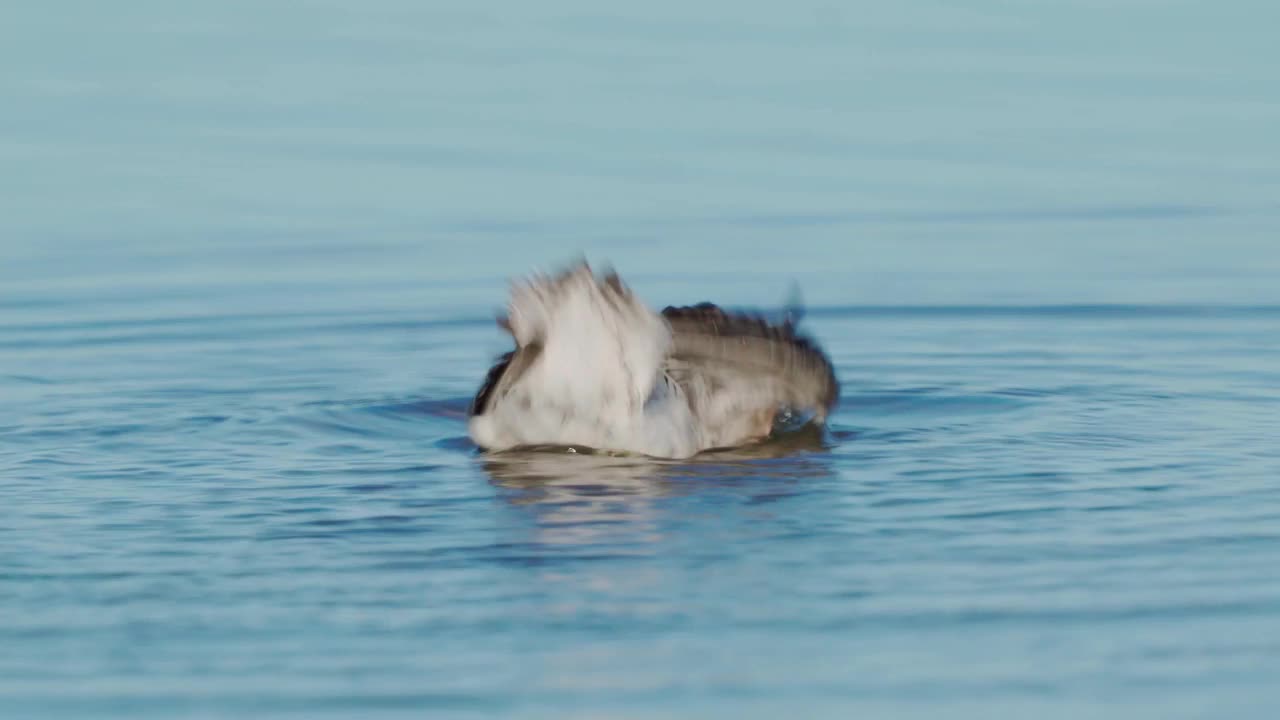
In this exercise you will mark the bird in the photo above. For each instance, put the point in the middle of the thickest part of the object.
(595, 368)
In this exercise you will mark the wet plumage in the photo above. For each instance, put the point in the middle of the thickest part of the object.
(594, 367)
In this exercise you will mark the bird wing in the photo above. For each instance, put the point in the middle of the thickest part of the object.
(766, 364)
(508, 369)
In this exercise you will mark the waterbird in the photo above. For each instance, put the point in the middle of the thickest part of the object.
(594, 367)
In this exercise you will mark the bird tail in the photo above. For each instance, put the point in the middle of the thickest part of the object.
(600, 346)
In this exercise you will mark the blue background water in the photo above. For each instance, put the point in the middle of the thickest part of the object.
(249, 255)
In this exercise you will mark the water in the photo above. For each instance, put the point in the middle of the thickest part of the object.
(249, 256)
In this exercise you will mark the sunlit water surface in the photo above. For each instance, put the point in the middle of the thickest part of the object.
(250, 254)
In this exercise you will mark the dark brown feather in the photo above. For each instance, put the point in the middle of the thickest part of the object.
(707, 332)
(506, 371)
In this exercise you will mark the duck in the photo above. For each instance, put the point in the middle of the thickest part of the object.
(596, 368)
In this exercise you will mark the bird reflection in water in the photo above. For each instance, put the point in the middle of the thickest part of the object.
(583, 497)
(603, 526)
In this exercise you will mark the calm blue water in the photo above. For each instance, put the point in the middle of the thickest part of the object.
(249, 257)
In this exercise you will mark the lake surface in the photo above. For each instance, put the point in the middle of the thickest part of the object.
(250, 254)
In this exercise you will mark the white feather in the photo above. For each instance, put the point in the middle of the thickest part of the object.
(598, 379)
